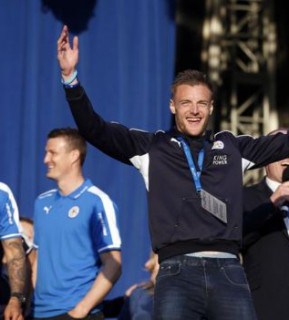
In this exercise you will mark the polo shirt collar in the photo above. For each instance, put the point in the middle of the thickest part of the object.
(78, 191)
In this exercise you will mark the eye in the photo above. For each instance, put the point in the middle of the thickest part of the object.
(203, 104)
(184, 103)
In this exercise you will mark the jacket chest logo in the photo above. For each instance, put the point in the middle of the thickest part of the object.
(218, 145)
(219, 160)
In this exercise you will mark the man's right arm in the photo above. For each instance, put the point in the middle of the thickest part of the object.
(16, 266)
(113, 139)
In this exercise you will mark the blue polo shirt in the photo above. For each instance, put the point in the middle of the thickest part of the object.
(70, 233)
(9, 215)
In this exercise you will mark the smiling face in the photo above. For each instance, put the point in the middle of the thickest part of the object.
(192, 106)
(59, 158)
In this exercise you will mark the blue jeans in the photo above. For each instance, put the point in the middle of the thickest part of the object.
(190, 288)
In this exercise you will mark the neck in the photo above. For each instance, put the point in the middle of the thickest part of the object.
(69, 184)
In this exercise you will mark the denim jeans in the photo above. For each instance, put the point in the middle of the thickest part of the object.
(190, 288)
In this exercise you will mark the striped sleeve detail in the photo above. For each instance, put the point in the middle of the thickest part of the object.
(142, 164)
(111, 224)
(10, 224)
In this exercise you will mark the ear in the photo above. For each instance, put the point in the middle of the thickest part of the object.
(75, 155)
(172, 107)
(211, 108)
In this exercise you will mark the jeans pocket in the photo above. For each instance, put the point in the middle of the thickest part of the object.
(235, 275)
(168, 269)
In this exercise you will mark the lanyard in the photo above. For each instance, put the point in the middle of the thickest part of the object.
(196, 174)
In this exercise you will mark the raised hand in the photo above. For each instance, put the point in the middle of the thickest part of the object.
(67, 56)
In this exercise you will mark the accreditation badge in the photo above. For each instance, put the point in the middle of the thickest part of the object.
(213, 205)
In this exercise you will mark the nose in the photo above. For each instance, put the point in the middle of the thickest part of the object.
(194, 108)
(46, 158)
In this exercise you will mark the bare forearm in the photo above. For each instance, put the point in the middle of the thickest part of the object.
(99, 290)
(103, 283)
(16, 264)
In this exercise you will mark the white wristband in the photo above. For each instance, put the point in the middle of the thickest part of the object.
(71, 79)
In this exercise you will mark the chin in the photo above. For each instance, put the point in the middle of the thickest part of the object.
(49, 176)
(194, 133)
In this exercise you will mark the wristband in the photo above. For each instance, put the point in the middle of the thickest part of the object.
(20, 296)
(71, 79)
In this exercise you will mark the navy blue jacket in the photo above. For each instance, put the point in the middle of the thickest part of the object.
(178, 224)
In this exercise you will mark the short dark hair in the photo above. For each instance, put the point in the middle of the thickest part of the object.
(193, 78)
(74, 140)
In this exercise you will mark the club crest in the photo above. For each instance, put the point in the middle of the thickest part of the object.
(218, 145)
(73, 212)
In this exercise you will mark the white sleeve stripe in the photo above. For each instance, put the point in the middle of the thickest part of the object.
(12, 235)
(109, 248)
(142, 164)
(15, 213)
(110, 213)
(246, 164)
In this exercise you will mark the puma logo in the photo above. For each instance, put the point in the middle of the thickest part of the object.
(47, 209)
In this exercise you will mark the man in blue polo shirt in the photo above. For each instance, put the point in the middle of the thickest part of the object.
(12, 296)
(76, 235)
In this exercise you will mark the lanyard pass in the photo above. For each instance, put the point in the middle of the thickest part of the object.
(195, 173)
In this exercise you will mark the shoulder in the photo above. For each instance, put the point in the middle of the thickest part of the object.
(4, 187)
(227, 134)
(6, 196)
(100, 200)
(99, 194)
(5, 190)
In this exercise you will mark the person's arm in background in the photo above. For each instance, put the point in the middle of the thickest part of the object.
(108, 275)
(263, 212)
(281, 195)
(16, 266)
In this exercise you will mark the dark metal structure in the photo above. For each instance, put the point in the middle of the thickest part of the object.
(239, 48)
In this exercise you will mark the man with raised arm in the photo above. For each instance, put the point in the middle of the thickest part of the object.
(194, 187)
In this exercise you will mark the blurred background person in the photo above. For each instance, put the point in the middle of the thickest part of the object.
(266, 241)
(27, 233)
(137, 302)
(12, 298)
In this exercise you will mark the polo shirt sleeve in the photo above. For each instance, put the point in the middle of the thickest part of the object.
(106, 229)
(9, 215)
